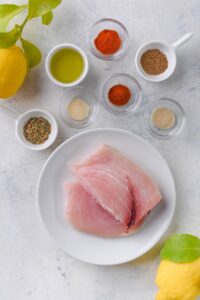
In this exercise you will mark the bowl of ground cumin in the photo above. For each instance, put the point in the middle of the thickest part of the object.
(155, 61)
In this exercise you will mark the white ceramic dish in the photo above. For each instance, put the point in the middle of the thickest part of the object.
(168, 49)
(89, 248)
(66, 46)
(23, 118)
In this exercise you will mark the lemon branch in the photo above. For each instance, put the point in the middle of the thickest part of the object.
(36, 8)
(23, 24)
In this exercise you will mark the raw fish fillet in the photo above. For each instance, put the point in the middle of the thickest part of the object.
(119, 186)
(87, 215)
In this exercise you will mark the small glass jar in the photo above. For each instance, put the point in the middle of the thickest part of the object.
(175, 108)
(133, 86)
(88, 97)
(112, 25)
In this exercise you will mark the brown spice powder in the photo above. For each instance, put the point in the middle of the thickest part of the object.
(154, 62)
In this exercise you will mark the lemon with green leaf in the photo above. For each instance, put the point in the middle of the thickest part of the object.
(14, 62)
(13, 70)
(178, 275)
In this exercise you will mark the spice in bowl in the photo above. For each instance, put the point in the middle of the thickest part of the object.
(37, 130)
(119, 95)
(78, 109)
(108, 42)
(163, 118)
(154, 62)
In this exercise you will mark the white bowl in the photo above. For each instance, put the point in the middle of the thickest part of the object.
(21, 121)
(168, 49)
(164, 48)
(66, 46)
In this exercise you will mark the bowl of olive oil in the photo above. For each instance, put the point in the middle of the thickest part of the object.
(66, 65)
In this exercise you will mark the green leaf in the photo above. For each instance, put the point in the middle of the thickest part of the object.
(181, 248)
(33, 54)
(47, 18)
(7, 12)
(38, 8)
(7, 39)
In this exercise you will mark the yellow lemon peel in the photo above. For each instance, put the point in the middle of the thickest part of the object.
(13, 70)
(178, 281)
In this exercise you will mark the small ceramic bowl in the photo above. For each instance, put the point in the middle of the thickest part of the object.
(134, 87)
(85, 94)
(48, 64)
(23, 118)
(179, 114)
(168, 49)
(112, 25)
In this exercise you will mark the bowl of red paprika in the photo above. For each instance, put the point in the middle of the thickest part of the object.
(121, 94)
(108, 39)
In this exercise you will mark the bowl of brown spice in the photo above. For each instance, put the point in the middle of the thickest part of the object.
(36, 129)
(156, 61)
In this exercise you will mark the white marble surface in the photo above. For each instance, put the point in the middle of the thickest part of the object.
(31, 265)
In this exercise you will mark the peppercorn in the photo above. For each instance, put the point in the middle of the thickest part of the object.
(37, 130)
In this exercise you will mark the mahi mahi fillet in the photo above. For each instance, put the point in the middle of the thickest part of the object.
(111, 195)
(87, 215)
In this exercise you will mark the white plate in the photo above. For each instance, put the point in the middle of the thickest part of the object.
(86, 247)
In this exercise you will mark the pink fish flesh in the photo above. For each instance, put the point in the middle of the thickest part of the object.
(111, 196)
(87, 215)
(118, 185)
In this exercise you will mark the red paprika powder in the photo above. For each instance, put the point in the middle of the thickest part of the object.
(119, 95)
(108, 41)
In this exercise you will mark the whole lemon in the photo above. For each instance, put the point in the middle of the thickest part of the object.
(13, 70)
(178, 281)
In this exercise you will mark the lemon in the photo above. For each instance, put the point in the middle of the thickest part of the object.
(178, 281)
(13, 70)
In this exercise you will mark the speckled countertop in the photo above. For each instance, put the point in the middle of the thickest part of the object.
(31, 265)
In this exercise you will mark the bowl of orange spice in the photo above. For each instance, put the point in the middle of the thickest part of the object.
(121, 94)
(108, 39)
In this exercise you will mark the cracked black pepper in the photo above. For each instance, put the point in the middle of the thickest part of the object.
(37, 130)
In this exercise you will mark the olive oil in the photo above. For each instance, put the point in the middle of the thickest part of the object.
(67, 65)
